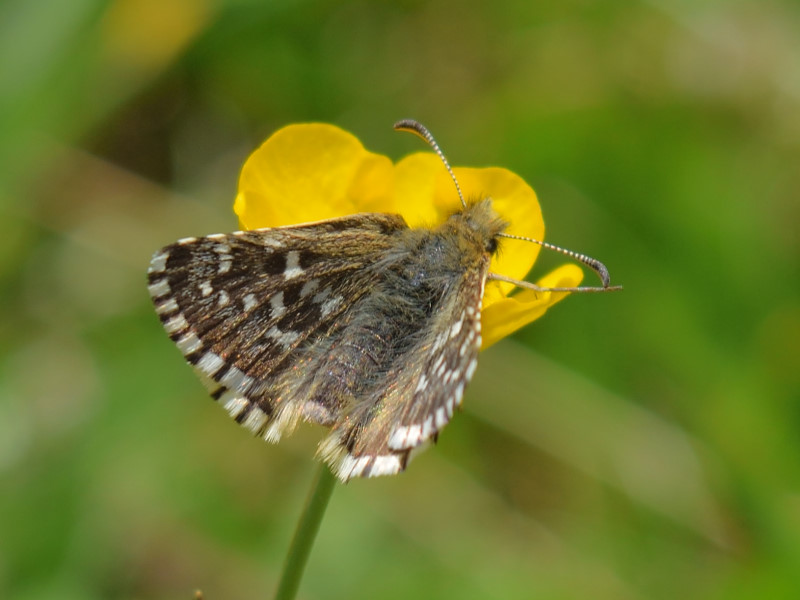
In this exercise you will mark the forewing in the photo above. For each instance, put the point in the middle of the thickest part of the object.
(239, 305)
(423, 388)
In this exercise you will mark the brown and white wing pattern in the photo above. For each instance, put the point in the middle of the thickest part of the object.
(421, 389)
(247, 309)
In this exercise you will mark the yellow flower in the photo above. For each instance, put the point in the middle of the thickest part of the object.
(315, 171)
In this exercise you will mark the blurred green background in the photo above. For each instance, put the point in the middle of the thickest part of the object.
(644, 444)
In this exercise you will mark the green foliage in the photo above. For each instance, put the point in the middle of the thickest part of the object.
(633, 445)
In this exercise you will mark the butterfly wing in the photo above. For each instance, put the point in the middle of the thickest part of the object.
(241, 306)
(421, 389)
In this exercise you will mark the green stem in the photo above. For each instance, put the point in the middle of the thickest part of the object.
(306, 532)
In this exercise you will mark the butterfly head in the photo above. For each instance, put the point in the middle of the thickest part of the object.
(478, 227)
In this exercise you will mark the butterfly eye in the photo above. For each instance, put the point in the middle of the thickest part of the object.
(491, 245)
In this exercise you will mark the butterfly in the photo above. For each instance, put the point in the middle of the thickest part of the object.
(360, 324)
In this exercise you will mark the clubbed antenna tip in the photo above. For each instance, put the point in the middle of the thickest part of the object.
(419, 129)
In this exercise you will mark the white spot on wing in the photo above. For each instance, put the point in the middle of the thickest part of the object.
(427, 427)
(187, 240)
(439, 342)
(224, 298)
(471, 368)
(159, 288)
(189, 343)
(456, 328)
(459, 393)
(224, 265)
(398, 439)
(449, 408)
(236, 380)
(441, 420)
(210, 363)
(255, 419)
(176, 324)
(280, 423)
(234, 404)
(249, 302)
(206, 289)
(405, 437)
(284, 338)
(321, 296)
(309, 287)
(352, 466)
(440, 371)
(292, 265)
(277, 308)
(159, 263)
(167, 307)
(329, 306)
(272, 434)
(385, 465)
(347, 466)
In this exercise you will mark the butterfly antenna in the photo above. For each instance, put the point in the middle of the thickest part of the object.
(594, 264)
(599, 268)
(413, 126)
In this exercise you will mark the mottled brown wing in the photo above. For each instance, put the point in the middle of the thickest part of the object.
(420, 391)
(240, 305)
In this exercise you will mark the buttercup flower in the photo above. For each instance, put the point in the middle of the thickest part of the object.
(312, 172)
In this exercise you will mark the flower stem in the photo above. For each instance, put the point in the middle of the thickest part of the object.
(306, 532)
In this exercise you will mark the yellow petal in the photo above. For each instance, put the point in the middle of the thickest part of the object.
(505, 316)
(415, 185)
(310, 172)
